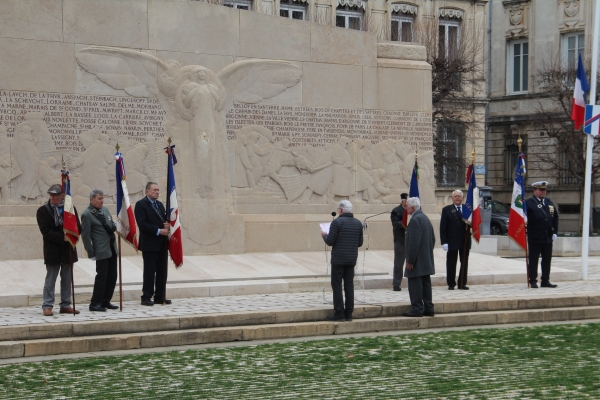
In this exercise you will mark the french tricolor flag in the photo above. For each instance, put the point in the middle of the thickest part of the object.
(126, 226)
(581, 87)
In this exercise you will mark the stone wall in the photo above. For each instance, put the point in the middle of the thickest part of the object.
(273, 119)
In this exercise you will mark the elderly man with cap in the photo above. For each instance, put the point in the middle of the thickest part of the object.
(399, 231)
(542, 227)
(56, 252)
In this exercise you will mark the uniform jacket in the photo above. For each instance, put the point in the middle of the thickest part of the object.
(149, 223)
(419, 244)
(398, 229)
(452, 229)
(345, 236)
(96, 240)
(56, 250)
(541, 224)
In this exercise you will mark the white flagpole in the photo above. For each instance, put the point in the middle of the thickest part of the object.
(585, 242)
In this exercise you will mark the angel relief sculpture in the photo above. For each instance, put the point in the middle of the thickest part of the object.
(196, 99)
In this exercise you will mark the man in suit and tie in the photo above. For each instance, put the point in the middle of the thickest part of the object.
(455, 236)
(542, 228)
(399, 232)
(98, 235)
(150, 215)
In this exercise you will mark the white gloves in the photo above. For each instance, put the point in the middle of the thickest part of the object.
(554, 237)
(445, 246)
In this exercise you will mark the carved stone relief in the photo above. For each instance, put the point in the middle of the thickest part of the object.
(451, 13)
(405, 8)
(517, 13)
(571, 19)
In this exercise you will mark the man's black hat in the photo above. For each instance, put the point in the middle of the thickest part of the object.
(404, 196)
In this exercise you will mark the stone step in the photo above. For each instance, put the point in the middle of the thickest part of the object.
(92, 336)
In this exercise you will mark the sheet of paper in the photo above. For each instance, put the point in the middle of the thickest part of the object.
(325, 226)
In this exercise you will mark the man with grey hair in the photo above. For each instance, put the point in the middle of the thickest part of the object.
(98, 234)
(345, 236)
(420, 241)
(455, 235)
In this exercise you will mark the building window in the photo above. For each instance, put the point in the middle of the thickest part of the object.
(511, 155)
(402, 28)
(518, 67)
(449, 155)
(348, 17)
(239, 4)
(572, 45)
(448, 36)
(292, 9)
(566, 168)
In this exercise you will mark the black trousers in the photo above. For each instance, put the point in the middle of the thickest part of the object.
(106, 279)
(535, 250)
(399, 257)
(155, 274)
(419, 291)
(343, 273)
(451, 259)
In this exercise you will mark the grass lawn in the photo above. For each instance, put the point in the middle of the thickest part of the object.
(544, 362)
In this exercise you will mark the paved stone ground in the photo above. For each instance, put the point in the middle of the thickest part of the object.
(228, 304)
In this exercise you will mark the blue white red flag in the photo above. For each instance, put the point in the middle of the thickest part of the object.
(517, 218)
(472, 210)
(581, 87)
(126, 226)
(592, 120)
(70, 227)
(413, 191)
(175, 243)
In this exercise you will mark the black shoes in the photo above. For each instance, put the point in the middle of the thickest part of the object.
(397, 289)
(97, 307)
(110, 306)
(412, 314)
(548, 284)
(534, 285)
(162, 301)
(147, 302)
(334, 318)
(463, 288)
(429, 313)
(450, 287)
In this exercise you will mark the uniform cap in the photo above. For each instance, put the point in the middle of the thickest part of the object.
(404, 196)
(540, 185)
(55, 189)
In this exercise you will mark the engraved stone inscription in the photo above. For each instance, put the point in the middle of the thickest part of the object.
(318, 126)
(68, 115)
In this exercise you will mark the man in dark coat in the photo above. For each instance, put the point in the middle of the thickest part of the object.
(56, 252)
(345, 236)
(98, 236)
(455, 236)
(542, 228)
(150, 215)
(420, 241)
(399, 231)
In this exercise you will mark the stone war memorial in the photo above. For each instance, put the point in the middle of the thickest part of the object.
(273, 120)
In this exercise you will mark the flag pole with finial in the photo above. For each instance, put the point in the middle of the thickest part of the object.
(120, 268)
(64, 186)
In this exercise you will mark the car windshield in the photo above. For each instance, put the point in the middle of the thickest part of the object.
(500, 208)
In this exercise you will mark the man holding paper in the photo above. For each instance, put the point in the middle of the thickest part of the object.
(345, 236)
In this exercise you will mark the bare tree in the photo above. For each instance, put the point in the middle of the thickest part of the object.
(561, 151)
(457, 58)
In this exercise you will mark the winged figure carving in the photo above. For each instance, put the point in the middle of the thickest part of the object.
(193, 95)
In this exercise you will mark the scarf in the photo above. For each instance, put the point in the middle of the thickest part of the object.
(58, 220)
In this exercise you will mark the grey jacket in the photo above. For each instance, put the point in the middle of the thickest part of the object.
(419, 244)
(96, 239)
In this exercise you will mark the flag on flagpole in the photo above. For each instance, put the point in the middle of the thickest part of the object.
(413, 190)
(518, 212)
(126, 226)
(70, 227)
(591, 124)
(175, 243)
(581, 87)
(472, 210)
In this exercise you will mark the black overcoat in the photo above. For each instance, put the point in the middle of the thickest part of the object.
(452, 229)
(149, 222)
(56, 250)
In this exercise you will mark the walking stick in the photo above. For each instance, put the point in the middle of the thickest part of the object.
(120, 278)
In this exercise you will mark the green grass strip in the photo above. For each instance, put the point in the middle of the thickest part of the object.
(544, 362)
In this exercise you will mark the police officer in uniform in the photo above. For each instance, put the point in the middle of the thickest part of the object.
(399, 231)
(542, 227)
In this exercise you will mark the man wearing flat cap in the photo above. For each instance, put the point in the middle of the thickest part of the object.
(399, 231)
(542, 227)
(56, 252)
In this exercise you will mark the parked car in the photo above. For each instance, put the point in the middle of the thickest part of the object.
(500, 212)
